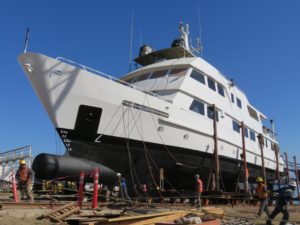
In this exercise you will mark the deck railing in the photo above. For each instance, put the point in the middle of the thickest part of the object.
(86, 68)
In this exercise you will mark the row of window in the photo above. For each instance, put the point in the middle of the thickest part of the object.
(156, 74)
(236, 127)
(215, 86)
(200, 107)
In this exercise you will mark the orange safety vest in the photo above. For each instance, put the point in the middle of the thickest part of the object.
(199, 185)
(22, 174)
(261, 191)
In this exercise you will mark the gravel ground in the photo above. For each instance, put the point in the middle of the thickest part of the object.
(239, 215)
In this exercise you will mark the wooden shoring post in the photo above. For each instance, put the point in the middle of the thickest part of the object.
(296, 174)
(287, 167)
(277, 164)
(216, 153)
(261, 145)
(244, 159)
(161, 179)
(80, 189)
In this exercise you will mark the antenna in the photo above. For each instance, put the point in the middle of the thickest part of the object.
(131, 38)
(26, 39)
(200, 34)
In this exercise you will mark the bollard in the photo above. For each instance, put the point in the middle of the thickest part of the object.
(80, 190)
(95, 194)
(15, 192)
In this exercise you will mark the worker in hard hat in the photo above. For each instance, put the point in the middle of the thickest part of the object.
(262, 196)
(285, 194)
(24, 178)
(198, 187)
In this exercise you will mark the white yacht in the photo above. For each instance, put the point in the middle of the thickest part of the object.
(159, 116)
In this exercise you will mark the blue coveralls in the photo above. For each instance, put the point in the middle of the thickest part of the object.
(284, 196)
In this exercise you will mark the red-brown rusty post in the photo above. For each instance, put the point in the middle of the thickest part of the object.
(80, 190)
(261, 145)
(95, 194)
(277, 164)
(287, 167)
(14, 184)
(297, 177)
(216, 153)
(244, 158)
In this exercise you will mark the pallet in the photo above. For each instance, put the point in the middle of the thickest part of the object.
(62, 212)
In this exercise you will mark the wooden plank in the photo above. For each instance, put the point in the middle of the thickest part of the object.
(167, 218)
(70, 212)
(142, 216)
(58, 209)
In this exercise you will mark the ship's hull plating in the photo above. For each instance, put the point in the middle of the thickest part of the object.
(141, 162)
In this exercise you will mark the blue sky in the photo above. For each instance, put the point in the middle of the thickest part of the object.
(257, 43)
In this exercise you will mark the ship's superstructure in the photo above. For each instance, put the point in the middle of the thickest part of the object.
(158, 116)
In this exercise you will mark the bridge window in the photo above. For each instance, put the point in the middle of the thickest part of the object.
(252, 113)
(221, 90)
(178, 72)
(238, 102)
(197, 107)
(198, 76)
(211, 84)
(232, 98)
(158, 74)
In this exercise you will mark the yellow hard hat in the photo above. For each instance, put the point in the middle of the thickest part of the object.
(259, 179)
(22, 162)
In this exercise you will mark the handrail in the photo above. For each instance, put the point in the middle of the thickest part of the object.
(86, 68)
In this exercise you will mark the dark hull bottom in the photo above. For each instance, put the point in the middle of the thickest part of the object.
(139, 162)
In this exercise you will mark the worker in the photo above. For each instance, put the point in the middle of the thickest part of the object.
(198, 189)
(124, 192)
(262, 195)
(284, 194)
(24, 177)
(123, 188)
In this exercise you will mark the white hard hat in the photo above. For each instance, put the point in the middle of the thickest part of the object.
(293, 184)
(118, 174)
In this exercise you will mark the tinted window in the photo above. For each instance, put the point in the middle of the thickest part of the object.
(266, 142)
(238, 102)
(221, 90)
(232, 98)
(210, 113)
(178, 72)
(141, 77)
(158, 74)
(197, 107)
(198, 76)
(246, 132)
(211, 84)
(252, 135)
(235, 126)
(252, 113)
